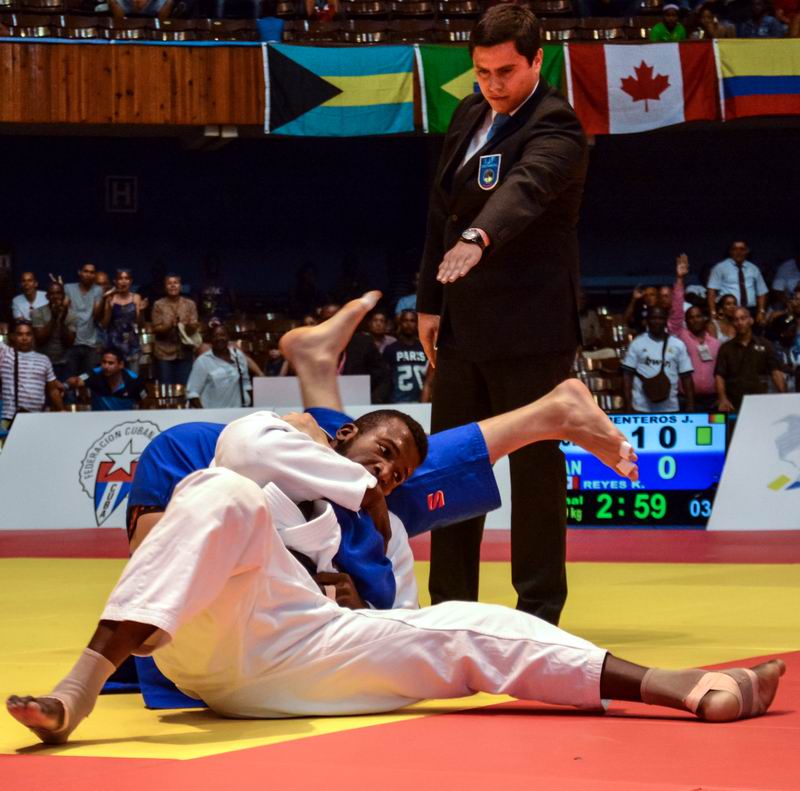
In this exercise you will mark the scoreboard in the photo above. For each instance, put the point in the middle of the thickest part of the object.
(680, 463)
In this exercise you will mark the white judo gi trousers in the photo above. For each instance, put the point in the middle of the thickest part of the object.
(244, 627)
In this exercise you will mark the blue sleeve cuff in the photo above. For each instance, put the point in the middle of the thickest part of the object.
(456, 482)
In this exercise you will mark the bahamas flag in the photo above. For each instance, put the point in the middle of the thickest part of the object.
(338, 91)
(447, 76)
(759, 77)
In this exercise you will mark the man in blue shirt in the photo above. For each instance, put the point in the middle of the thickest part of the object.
(112, 387)
(740, 277)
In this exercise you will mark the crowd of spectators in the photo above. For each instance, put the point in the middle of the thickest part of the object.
(704, 346)
(91, 344)
(719, 19)
(681, 19)
(700, 344)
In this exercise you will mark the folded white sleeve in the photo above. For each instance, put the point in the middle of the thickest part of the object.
(266, 449)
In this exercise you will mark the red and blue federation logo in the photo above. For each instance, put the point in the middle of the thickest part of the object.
(109, 465)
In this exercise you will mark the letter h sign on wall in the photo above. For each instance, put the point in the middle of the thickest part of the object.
(121, 194)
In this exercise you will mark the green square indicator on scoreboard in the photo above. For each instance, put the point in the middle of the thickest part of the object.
(702, 435)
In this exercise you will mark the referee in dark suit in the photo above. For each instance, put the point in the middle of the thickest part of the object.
(497, 296)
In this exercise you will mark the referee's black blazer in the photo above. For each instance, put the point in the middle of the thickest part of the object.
(521, 298)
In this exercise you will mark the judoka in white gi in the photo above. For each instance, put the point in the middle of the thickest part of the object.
(235, 619)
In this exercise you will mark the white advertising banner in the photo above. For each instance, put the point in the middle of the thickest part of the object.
(65, 471)
(284, 391)
(760, 485)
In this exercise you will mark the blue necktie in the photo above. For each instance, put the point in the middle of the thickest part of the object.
(499, 120)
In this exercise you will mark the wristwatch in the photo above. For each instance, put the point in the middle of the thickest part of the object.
(473, 236)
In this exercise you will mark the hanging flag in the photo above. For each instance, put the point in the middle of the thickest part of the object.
(447, 76)
(338, 91)
(622, 88)
(759, 77)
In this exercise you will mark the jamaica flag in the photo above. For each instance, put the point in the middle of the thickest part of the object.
(447, 77)
(339, 91)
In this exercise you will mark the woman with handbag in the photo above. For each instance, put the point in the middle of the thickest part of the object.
(175, 325)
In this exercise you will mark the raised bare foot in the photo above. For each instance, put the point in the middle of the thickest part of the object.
(588, 426)
(44, 716)
(723, 706)
(306, 347)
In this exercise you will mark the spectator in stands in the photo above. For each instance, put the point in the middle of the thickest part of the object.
(120, 315)
(591, 329)
(665, 298)
(30, 298)
(110, 386)
(322, 10)
(406, 360)
(785, 280)
(786, 349)
(362, 358)
(670, 27)
(702, 347)
(736, 275)
(54, 328)
(791, 309)
(378, 328)
(706, 25)
(275, 364)
(219, 377)
(761, 24)
(641, 302)
(722, 324)
(744, 364)
(27, 376)
(653, 365)
(102, 281)
(85, 298)
(409, 301)
(156, 8)
(175, 324)
(252, 365)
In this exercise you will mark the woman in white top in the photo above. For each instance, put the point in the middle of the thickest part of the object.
(219, 377)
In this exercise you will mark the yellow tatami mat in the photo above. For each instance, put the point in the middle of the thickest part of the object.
(667, 614)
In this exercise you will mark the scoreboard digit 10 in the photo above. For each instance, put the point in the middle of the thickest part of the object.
(680, 463)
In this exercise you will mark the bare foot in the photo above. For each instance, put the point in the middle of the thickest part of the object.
(720, 706)
(44, 716)
(307, 348)
(588, 426)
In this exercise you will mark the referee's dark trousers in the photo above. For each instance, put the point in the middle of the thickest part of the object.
(466, 391)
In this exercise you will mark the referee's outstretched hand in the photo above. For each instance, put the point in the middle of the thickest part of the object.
(457, 261)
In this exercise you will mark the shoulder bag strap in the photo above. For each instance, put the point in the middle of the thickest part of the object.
(664, 353)
(241, 376)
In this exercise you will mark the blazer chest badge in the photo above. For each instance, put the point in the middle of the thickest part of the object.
(489, 171)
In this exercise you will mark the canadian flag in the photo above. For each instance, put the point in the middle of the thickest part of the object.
(617, 88)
